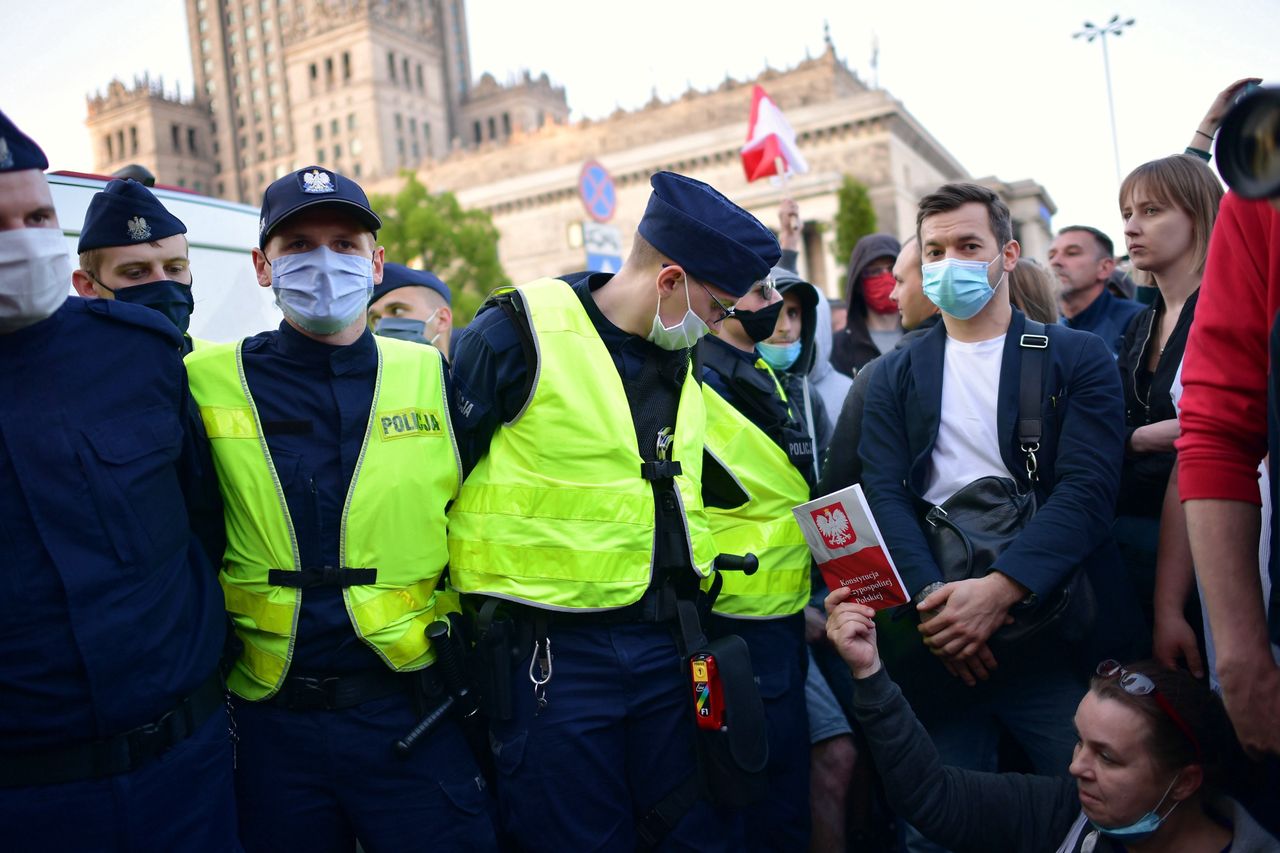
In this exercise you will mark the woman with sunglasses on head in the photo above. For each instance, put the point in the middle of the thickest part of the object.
(1145, 773)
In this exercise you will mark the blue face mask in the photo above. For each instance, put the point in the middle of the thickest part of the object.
(171, 298)
(403, 328)
(959, 288)
(1142, 828)
(322, 291)
(779, 356)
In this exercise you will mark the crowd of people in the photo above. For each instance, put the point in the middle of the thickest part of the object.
(535, 583)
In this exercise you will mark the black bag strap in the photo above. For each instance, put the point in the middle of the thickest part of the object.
(1034, 342)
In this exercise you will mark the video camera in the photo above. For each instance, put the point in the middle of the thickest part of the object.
(1248, 148)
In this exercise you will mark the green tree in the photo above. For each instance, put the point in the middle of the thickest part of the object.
(855, 217)
(432, 231)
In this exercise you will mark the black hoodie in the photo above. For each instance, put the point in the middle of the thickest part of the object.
(852, 346)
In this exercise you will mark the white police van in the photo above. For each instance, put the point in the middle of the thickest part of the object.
(229, 304)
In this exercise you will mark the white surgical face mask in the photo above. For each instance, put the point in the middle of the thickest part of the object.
(323, 291)
(35, 276)
(683, 334)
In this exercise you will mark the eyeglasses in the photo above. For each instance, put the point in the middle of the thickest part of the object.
(1137, 684)
(726, 311)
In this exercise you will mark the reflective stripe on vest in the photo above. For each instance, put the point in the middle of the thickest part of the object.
(763, 526)
(557, 514)
(393, 519)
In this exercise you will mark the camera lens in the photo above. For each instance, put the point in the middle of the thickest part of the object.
(1248, 148)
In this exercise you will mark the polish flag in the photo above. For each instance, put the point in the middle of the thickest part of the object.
(770, 139)
(846, 544)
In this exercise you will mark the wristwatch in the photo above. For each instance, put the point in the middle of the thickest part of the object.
(926, 592)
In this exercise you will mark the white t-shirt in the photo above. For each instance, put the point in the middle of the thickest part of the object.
(968, 445)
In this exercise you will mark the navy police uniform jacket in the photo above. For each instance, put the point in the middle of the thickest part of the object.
(1081, 450)
(110, 613)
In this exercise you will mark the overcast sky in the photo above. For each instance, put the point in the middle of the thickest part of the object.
(1002, 84)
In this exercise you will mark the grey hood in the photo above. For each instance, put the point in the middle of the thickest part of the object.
(830, 384)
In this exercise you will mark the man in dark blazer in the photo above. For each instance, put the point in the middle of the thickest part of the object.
(943, 412)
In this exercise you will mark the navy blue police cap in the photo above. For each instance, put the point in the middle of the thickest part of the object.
(312, 187)
(17, 150)
(395, 276)
(711, 237)
(126, 213)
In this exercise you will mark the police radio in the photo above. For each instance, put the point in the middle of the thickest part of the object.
(708, 691)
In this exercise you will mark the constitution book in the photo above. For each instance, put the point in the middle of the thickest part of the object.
(846, 544)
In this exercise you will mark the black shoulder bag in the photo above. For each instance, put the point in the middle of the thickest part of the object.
(969, 531)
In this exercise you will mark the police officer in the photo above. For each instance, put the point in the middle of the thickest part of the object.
(335, 462)
(113, 727)
(760, 433)
(413, 305)
(134, 250)
(582, 424)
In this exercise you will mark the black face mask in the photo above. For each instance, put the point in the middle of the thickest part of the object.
(759, 325)
(171, 298)
(402, 328)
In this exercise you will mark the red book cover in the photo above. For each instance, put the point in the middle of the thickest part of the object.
(846, 544)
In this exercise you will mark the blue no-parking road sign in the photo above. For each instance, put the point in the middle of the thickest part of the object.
(595, 188)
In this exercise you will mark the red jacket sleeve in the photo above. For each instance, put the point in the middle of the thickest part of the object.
(1225, 370)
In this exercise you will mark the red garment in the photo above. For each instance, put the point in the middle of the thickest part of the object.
(1225, 372)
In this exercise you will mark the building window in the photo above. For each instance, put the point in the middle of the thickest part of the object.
(399, 122)
(426, 135)
(208, 66)
(493, 131)
(120, 144)
(391, 65)
(133, 139)
(328, 71)
(222, 188)
(204, 45)
(233, 39)
(337, 153)
(319, 155)
(405, 66)
(257, 137)
(346, 66)
(204, 25)
(506, 124)
(479, 135)
(268, 46)
(252, 52)
(356, 147)
(356, 170)
(253, 75)
(416, 153)
(111, 149)
(413, 128)
(420, 87)
(333, 127)
(319, 132)
(266, 25)
(250, 33)
(351, 121)
(191, 140)
(175, 136)
(271, 69)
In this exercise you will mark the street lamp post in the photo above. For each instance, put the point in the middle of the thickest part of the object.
(1113, 27)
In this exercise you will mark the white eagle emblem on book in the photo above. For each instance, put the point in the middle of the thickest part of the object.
(316, 181)
(834, 525)
(139, 230)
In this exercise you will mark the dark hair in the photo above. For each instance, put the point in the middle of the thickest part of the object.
(1195, 704)
(948, 197)
(1107, 247)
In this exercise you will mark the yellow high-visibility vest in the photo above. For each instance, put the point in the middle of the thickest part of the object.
(557, 514)
(763, 526)
(393, 519)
